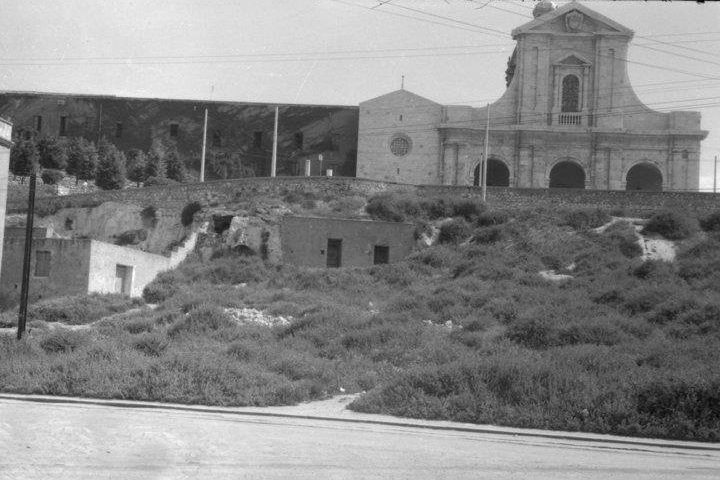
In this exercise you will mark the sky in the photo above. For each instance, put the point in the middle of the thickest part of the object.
(338, 52)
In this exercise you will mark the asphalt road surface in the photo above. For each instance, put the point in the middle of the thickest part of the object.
(74, 441)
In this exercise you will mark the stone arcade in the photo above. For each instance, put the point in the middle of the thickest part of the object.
(569, 118)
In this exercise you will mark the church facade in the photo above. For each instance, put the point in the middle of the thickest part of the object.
(569, 118)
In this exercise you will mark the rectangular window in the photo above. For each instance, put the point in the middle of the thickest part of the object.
(381, 255)
(42, 263)
(217, 139)
(38, 123)
(334, 252)
(299, 140)
(118, 130)
(63, 126)
(174, 129)
(257, 139)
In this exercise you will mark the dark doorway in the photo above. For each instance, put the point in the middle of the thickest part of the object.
(644, 177)
(334, 252)
(498, 174)
(123, 279)
(567, 175)
(381, 255)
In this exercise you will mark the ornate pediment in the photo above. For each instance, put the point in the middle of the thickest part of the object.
(573, 60)
(573, 18)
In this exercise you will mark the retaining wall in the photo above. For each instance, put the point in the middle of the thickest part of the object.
(223, 191)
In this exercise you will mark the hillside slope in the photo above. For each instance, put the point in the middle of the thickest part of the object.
(466, 329)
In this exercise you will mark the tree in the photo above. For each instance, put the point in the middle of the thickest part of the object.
(82, 159)
(110, 174)
(174, 165)
(136, 166)
(53, 153)
(51, 176)
(24, 159)
(155, 165)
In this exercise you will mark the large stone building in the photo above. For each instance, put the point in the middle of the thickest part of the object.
(239, 135)
(569, 118)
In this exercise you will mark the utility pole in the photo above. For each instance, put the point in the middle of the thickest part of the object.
(485, 155)
(273, 164)
(202, 159)
(22, 312)
(715, 177)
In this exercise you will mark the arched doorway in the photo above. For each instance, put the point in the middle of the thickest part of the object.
(644, 176)
(498, 174)
(567, 175)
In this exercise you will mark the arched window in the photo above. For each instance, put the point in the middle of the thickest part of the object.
(570, 94)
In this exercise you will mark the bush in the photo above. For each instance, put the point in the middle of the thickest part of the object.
(80, 309)
(151, 344)
(52, 177)
(164, 286)
(158, 181)
(454, 231)
(623, 236)
(110, 172)
(202, 320)
(672, 225)
(487, 219)
(131, 237)
(487, 235)
(149, 218)
(387, 207)
(187, 215)
(586, 219)
(711, 223)
(63, 340)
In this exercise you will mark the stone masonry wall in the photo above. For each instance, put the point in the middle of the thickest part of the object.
(218, 192)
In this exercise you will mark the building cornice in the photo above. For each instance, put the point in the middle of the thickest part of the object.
(702, 134)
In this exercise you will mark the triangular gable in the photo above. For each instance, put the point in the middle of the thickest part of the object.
(573, 59)
(555, 21)
(402, 96)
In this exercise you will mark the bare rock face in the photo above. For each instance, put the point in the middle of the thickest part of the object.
(257, 234)
(112, 220)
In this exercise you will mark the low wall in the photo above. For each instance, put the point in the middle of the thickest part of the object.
(223, 191)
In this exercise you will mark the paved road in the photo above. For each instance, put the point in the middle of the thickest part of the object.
(75, 441)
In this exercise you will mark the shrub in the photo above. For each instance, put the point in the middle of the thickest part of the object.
(711, 223)
(187, 215)
(80, 309)
(454, 231)
(152, 344)
(672, 225)
(164, 286)
(385, 207)
(202, 320)
(149, 218)
(623, 236)
(487, 235)
(63, 340)
(52, 177)
(487, 219)
(131, 237)
(586, 219)
(654, 269)
(158, 181)
(138, 325)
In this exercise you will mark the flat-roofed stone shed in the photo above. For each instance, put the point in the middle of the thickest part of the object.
(334, 242)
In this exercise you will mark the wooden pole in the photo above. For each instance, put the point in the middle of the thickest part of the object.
(715, 177)
(485, 155)
(22, 312)
(202, 158)
(273, 164)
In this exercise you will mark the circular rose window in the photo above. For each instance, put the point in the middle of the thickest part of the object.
(400, 145)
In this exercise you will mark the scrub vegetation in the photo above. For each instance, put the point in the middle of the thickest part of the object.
(464, 330)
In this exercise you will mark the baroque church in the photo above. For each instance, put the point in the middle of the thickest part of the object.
(569, 118)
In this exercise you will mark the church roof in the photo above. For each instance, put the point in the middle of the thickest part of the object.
(550, 20)
(403, 94)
